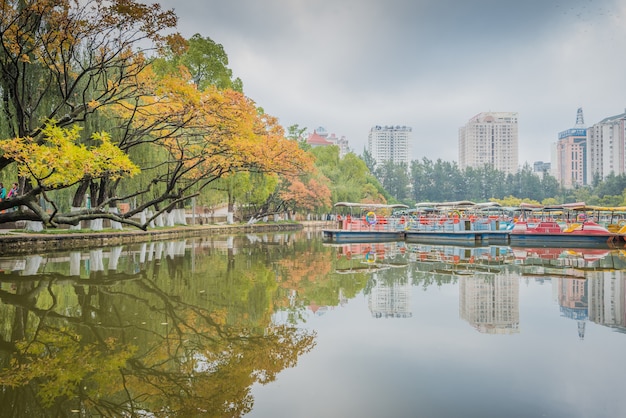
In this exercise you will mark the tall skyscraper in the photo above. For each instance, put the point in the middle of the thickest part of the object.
(390, 143)
(490, 138)
(606, 147)
(571, 154)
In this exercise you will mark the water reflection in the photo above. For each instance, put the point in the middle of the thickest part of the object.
(175, 328)
(588, 284)
(191, 327)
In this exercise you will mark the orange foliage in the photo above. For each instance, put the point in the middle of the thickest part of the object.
(308, 266)
(213, 132)
(307, 196)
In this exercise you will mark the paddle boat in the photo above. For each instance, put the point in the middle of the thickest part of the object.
(612, 218)
(366, 222)
(554, 226)
(459, 222)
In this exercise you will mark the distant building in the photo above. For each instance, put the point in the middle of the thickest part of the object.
(317, 140)
(571, 155)
(390, 143)
(342, 143)
(606, 144)
(321, 138)
(541, 167)
(490, 138)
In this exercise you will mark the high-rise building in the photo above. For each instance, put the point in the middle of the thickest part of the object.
(606, 144)
(490, 138)
(390, 143)
(571, 154)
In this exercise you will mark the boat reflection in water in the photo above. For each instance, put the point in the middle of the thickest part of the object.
(488, 278)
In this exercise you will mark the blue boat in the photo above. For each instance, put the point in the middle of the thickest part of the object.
(440, 237)
(344, 236)
(461, 222)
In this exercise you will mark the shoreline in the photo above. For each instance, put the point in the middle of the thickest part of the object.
(15, 243)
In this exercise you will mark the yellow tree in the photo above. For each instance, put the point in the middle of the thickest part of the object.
(64, 60)
(205, 136)
(58, 161)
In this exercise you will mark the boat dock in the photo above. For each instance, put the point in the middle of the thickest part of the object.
(426, 237)
(468, 223)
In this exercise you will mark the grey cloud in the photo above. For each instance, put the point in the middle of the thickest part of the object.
(430, 64)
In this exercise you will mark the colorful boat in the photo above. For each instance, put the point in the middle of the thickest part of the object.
(611, 217)
(366, 222)
(548, 233)
(460, 222)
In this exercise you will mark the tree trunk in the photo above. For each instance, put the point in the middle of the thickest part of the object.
(79, 196)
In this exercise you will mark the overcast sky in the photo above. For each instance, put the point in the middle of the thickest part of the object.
(348, 65)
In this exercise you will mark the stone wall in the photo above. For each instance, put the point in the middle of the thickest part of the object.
(24, 243)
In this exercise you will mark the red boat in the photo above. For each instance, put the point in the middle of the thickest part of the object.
(550, 233)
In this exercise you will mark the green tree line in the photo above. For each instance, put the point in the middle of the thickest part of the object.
(439, 181)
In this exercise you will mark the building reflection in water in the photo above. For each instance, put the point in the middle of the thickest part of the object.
(490, 303)
(573, 301)
(586, 286)
(390, 300)
(607, 299)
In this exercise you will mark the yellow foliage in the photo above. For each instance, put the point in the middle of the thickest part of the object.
(59, 373)
(212, 132)
(61, 161)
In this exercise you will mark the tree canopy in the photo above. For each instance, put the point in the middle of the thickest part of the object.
(98, 101)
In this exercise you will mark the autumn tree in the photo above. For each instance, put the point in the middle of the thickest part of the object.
(59, 161)
(204, 136)
(74, 62)
(307, 193)
(61, 61)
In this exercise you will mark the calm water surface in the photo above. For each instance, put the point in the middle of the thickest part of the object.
(286, 326)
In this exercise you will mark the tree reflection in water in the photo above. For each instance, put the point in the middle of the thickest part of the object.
(172, 330)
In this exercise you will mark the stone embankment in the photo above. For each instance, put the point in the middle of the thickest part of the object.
(19, 242)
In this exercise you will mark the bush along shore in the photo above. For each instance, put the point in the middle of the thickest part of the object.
(20, 242)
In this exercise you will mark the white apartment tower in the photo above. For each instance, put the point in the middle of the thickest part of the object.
(390, 143)
(490, 138)
(606, 147)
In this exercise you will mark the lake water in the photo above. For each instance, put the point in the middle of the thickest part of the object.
(287, 326)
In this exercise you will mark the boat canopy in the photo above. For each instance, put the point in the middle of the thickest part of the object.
(370, 205)
(487, 206)
(612, 209)
(460, 204)
(552, 208)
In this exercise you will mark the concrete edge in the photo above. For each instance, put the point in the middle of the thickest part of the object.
(21, 243)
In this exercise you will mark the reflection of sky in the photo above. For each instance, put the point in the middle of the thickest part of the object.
(435, 364)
